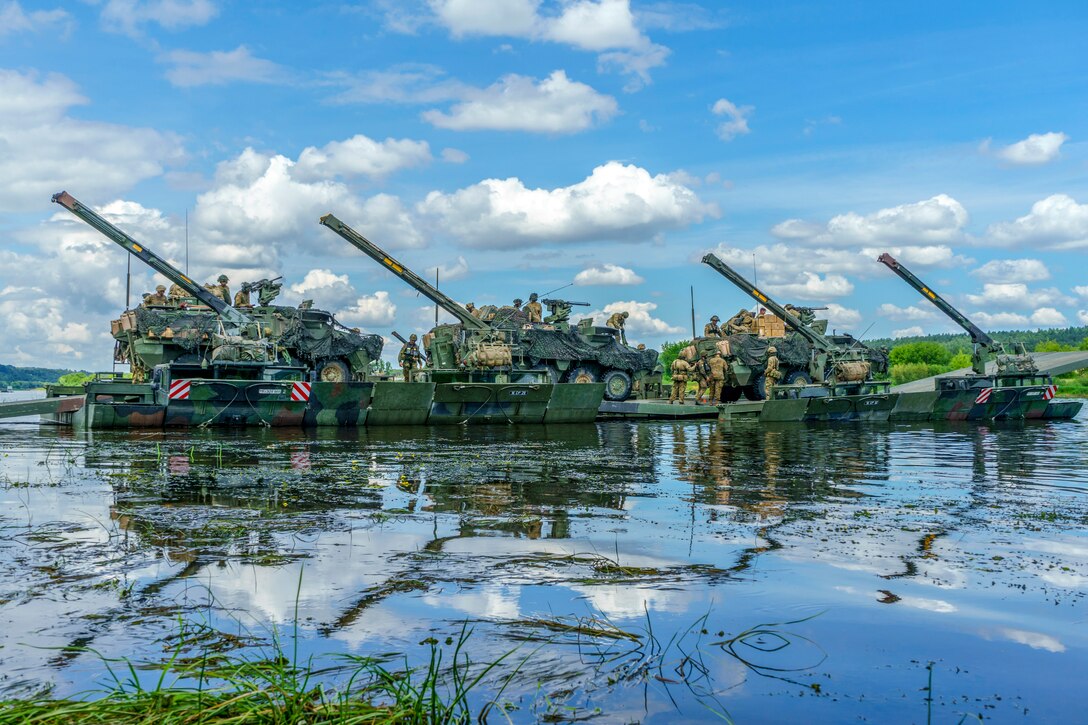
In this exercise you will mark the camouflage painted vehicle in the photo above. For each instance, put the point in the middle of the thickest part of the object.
(501, 341)
(806, 354)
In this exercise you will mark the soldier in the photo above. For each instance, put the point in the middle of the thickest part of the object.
(702, 378)
(241, 299)
(159, 298)
(640, 346)
(771, 373)
(535, 310)
(680, 369)
(717, 376)
(409, 358)
(616, 322)
(144, 302)
(471, 307)
(177, 292)
(738, 323)
(517, 304)
(221, 290)
(711, 328)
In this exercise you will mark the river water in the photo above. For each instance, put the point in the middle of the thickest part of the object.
(898, 571)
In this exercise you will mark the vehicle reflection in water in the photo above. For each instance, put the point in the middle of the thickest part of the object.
(970, 537)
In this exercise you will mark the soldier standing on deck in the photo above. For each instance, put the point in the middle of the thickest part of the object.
(536, 312)
(159, 298)
(702, 378)
(221, 290)
(409, 358)
(771, 373)
(717, 376)
(680, 369)
(616, 322)
(711, 328)
(177, 292)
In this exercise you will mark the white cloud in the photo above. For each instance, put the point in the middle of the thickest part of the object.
(605, 274)
(373, 310)
(934, 221)
(451, 272)
(616, 202)
(127, 16)
(404, 83)
(517, 18)
(1082, 316)
(640, 319)
(454, 156)
(999, 320)
(1048, 317)
(912, 331)
(736, 123)
(518, 103)
(219, 67)
(1036, 149)
(13, 19)
(906, 313)
(813, 287)
(842, 318)
(1013, 270)
(1057, 221)
(1014, 294)
(45, 150)
(360, 156)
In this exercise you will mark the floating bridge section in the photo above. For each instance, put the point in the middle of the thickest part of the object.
(41, 406)
(1049, 363)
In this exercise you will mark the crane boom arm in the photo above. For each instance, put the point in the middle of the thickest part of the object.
(157, 263)
(818, 341)
(429, 291)
(977, 335)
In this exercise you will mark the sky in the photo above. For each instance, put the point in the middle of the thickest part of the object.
(522, 146)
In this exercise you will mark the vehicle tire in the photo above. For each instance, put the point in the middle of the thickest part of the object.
(617, 385)
(731, 394)
(333, 371)
(798, 377)
(554, 376)
(582, 374)
(757, 390)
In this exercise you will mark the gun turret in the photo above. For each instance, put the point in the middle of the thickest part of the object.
(414, 280)
(559, 310)
(817, 340)
(267, 289)
(983, 342)
(230, 315)
(398, 336)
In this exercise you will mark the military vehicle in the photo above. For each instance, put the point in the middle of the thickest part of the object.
(805, 355)
(1013, 389)
(502, 342)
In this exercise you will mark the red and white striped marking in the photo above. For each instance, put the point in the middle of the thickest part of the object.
(179, 389)
(1050, 392)
(984, 396)
(300, 392)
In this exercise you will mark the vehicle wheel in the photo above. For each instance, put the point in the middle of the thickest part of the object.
(757, 390)
(554, 376)
(617, 385)
(798, 377)
(731, 394)
(333, 371)
(582, 374)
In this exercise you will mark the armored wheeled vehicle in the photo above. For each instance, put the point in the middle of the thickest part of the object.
(501, 341)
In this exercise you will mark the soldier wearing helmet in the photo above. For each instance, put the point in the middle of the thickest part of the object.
(409, 358)
(716, 365)
(221, 290)
(159, 298)
(771, 372)
(616, 322)
(711, 328)
(679, 372)
(536, 312)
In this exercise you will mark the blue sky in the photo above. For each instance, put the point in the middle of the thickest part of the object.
(522, 145)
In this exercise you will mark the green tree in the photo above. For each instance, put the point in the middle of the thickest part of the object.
(669, 352)
(960, 360)
(75, 378)
(1052, 346)
(920, 353)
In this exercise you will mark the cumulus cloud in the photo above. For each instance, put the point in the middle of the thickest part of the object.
(454, 156)
(1013, 270)
(219, 67)
(1082, 316)
(934, 221)
(1047, 317)
(360, 156)
(892, 312)
(128, 16)
(603, 274)
(370, 310)
(640, 320)
(912, 331)
(1042, 317)
(616, 202)
(842, 318)
(487, 17)
(14, 19)
(1036, 149)
(1081, 291)
(518, 103)
(450, 272)
(736, 119)
(1056, 222)
(41, 142)
(812, 286)
(1015, 294)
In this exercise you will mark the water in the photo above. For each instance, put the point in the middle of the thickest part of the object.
(869, 551)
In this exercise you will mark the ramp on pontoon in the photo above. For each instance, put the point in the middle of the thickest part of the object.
(1049, 363)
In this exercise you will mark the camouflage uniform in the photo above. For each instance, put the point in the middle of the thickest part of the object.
(680, 369)
(241, 299)
(702, 378)
(771, 373)
(738, 323)
(717, 376)
(409, 358)
(159, 298)
(616, 322)
(517, 304)
(177, 292)
(711, 328)
(534, 308)
(471, 307)
(221, 290)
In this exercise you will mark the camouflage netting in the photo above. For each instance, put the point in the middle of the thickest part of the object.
(559, 345)
(339, 344)
(187, 330)
(793, 350)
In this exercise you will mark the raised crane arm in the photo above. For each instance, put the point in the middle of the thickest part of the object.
(977, 336)
(157, 263)
(818, 341)
(379, 255)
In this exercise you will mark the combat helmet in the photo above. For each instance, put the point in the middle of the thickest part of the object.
(224, 278)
